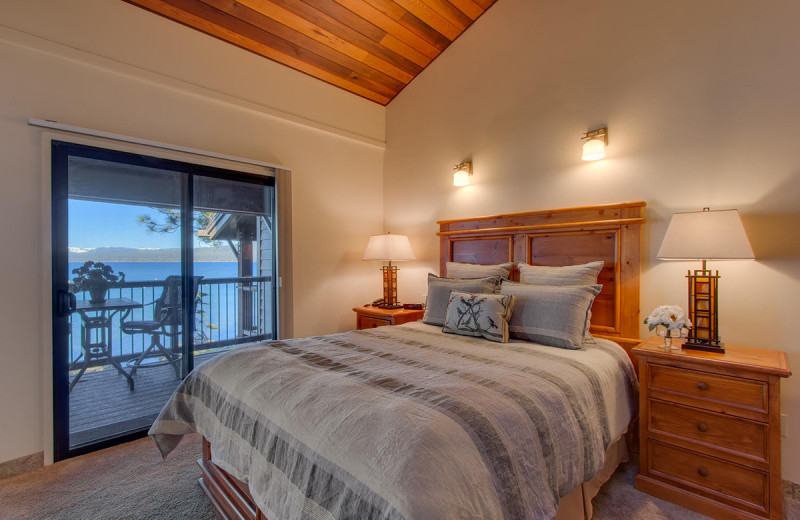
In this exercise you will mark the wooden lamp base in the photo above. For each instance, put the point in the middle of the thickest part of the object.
(703, 311)
(389, 288)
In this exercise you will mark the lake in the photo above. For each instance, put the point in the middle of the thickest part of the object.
(149, 271)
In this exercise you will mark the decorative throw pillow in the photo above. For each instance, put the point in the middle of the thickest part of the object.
(439, 294)
(551, 315)
(479, 315)
(581, 274)
(462, 270)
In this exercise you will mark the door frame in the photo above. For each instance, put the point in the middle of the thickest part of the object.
(283, 284)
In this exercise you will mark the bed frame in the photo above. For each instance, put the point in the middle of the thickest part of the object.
(611, 233)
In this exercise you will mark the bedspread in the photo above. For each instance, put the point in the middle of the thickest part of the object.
(406, 422)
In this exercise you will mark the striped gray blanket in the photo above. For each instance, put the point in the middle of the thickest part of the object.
(406, 422)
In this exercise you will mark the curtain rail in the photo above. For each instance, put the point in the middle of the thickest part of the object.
(55, 125)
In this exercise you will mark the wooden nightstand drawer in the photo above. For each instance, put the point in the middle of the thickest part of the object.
(720, 435)
(368, 322)
(730, 483)
(706, 390)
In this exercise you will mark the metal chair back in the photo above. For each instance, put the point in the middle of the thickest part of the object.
(168, 307)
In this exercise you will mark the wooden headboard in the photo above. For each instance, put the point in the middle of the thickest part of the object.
(611, 233)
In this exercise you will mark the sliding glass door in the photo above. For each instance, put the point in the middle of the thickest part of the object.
(158, 265)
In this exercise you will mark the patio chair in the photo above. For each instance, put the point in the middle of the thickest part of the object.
(166, 322)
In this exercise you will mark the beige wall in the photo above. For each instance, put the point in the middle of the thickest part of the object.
(700, 98)
(701, 103)
(112, 67)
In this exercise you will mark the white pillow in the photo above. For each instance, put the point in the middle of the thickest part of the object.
(581, 274)
(462, 270)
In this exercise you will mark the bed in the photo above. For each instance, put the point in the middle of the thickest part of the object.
(409, 422)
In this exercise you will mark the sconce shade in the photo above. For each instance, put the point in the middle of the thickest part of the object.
(594, 149)
(461, 178)
(461, 173)
(389, 248)
(706, 235)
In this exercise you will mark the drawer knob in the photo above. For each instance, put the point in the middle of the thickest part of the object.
(702, 427)
(703, 472)
(702, 386)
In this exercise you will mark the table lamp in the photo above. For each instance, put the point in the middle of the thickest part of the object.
(705, 235)
(389, 248)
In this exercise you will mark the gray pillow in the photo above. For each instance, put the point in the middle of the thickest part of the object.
(439, 294)
(551, 315)
(479, 315)
(581, 274)
(462, 270)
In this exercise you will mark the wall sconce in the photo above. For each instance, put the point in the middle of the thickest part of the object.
(594, 147)
(461, 173)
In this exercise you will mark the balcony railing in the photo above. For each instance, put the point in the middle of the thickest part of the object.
(229, 311)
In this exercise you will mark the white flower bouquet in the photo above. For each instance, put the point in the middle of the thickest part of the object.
(671, 317)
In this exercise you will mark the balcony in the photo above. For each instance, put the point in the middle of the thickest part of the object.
(230, 312)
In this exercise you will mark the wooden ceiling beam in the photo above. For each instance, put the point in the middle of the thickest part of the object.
(254, 12)
(235, 15)
(391, 26)
(469, 8)
(372, 48)
(443, 8)
(353, 21)
(397, 12)
(416, 25)
(393, 43)
(363, 34)
(451, 11)
(485, 4)
(276, 50)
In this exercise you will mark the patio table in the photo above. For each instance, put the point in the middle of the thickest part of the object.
(99, 316)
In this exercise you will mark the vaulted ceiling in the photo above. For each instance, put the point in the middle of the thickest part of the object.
(372, 48)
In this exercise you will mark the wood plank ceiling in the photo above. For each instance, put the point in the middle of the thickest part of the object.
(372, 48)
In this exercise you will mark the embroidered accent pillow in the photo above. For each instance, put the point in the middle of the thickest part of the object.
(581, 274)
(479, 315)
(551, 315)
(462, 270)
(439, 294)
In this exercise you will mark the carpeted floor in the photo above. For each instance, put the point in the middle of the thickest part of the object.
(127, 482)
(131, 482)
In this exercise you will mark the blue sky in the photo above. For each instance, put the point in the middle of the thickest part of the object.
(100, 224)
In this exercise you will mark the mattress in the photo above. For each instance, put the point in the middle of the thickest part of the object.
(406, 422)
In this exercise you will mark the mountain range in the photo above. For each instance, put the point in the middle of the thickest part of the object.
(130, 254)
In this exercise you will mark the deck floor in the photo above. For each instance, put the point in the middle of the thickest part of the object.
(101, 405)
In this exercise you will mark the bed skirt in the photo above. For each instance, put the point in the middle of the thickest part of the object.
(578, 504)
(231, 497)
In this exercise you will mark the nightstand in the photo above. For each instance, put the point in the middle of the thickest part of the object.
(710, 429)
(371, 317)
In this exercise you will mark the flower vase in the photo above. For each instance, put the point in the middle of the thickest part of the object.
(669, 335)
(97, 293)
(665, 333)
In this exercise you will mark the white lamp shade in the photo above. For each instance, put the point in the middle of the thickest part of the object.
(594, 149)
(461, 178)
(706, 235)
(389, 248)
